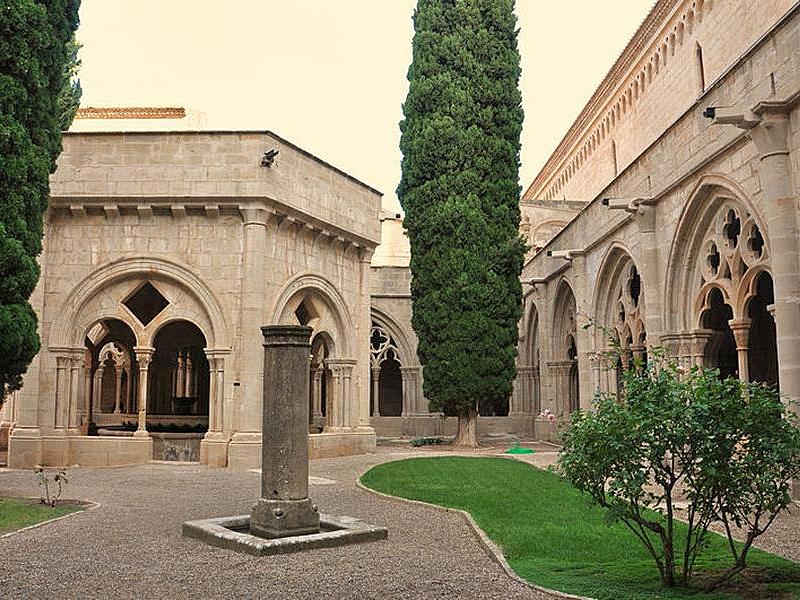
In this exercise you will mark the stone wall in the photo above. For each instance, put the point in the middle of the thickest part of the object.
(229, 244)
(668, 198)
(655, 80)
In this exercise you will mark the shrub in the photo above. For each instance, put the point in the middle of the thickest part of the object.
(426, 441)
(53, 487)
(731, 447)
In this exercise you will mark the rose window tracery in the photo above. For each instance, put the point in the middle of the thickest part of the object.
(733, 246)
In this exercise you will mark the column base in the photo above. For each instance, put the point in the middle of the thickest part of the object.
(214, 449)
(141, 433)
(284, 518)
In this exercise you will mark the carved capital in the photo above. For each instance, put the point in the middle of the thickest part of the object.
(255, 215)
(741, 332)
(143, 356)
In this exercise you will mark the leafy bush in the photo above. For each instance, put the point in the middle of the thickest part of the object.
(730, 447)
(426, 441)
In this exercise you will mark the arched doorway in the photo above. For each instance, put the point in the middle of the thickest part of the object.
(574, 387)
(621, 341)
(178, 380)
(386, 381)
(565, 351)
(110, 379)
(390, 393)
(313, 302)
(721, 346)
(762, 340)
(319, 375)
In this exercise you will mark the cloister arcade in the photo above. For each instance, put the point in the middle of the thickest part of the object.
(726, 308)
(718, 307)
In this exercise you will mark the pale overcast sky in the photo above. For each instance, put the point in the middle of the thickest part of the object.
(331, 75)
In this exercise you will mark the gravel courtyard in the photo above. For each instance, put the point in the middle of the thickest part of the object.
(131, 547)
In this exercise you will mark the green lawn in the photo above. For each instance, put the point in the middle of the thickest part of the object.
(16, 514)
(553, 537)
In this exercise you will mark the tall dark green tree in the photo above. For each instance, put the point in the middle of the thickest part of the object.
(460, 191)
(34, 50)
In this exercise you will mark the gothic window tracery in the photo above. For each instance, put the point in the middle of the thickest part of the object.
(386, 378)
(629, 328)
(733, 246)
(733, 304)
(382, 346)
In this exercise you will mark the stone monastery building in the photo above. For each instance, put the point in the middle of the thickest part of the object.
(668, 213)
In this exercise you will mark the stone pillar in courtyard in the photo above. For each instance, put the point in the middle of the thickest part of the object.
(284, 508)
(143, 357)
(771, 137)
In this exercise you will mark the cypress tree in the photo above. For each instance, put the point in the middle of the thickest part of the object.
(460, 192)
(34, 39)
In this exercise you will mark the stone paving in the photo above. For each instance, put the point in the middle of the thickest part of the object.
(131, 547)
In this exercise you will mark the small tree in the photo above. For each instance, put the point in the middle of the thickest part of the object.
(730, 448)
(460, 192)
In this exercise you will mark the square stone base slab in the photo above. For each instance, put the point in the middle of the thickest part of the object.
(233, 533)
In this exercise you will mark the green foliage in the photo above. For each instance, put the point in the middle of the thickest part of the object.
(729, 448)
(426, 441)
(163, 427)
(552, 536)
(460, 192)
(34, 37)
(69, 100)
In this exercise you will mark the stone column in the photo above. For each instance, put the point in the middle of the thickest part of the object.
(741, 333)
(253, 285)
(61, 405)
(408, 377)
(340, 407)
(351, 413)
(519, 403)
(334, 398)
(284, 508)
(594, 361)
(376, 391)
(143, 357)
(582, 335)
(698, 342)
(316, 397)
(87, 391)
(75, 381)
(216, 392)
(364, 325)
(420, 402)
(649, 272)
(213, 425)
(117, 389)
(771, 137)
(685, 359)
(97, 406)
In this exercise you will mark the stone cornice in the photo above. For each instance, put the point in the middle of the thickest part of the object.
(654, 23)
(173, 207)
(131, 112)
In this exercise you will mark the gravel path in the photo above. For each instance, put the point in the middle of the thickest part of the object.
(131, 547)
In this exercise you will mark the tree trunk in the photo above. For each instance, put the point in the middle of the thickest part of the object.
(467, 435)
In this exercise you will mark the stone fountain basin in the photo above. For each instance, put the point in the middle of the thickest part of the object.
(233, 533)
